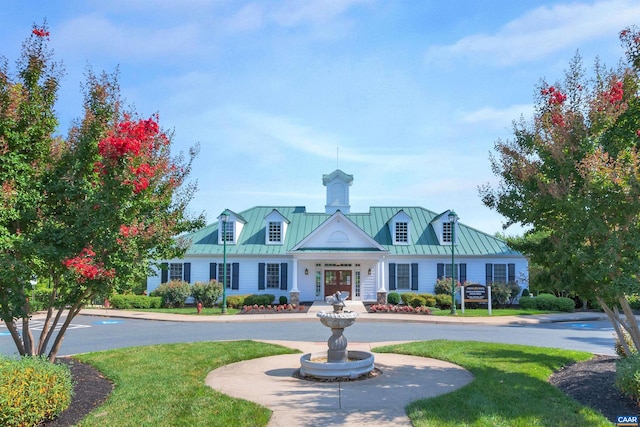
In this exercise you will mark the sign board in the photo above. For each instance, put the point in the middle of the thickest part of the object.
(475, 293)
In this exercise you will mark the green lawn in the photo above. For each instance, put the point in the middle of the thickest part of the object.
(510, 387)
(483, 312)
(164, 386)
(214, 311)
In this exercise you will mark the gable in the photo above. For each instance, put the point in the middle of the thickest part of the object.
(338, 232)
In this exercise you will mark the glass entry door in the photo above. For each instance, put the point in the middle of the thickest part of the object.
(337, 280)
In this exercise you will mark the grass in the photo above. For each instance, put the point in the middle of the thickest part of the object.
(163, 385)
(483, 312)
(214, 311)
(510, 387)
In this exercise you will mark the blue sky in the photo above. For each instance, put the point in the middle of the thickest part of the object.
(407, 96)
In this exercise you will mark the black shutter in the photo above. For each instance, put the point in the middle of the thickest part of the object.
(235, 275)
(283, 276)
(392, 276)
(186, 272)
(261, 272)
(414, 276)
(440, 271)
(164, 273)
(213, 272)
(512, 272)
(463, 273)
(489, 274)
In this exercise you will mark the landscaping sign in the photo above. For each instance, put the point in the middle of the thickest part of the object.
(475, 293)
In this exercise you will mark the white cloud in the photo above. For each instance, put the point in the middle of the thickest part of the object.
(543, 31)
(497, 118)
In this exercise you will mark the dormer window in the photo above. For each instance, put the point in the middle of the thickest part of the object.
(400, 228)
(274, 232)
(227, 232)
(402, 233)
(446, 232)
(275, 228)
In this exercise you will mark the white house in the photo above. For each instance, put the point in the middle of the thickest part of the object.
(285, 250)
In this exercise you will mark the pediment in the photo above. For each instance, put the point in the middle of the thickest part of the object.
(338, 232)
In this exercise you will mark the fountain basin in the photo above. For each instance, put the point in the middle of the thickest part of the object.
(339, 320)
(359, 363)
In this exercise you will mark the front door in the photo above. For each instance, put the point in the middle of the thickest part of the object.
(337, 280)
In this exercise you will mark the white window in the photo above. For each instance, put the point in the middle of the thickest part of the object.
(273, 276)
(221, 275)
(403, 276)
(446, 232)
(402, 232)
(227, 235)
(175, 271)
(274, 232)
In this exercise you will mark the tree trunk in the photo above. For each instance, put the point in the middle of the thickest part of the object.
(13, 330)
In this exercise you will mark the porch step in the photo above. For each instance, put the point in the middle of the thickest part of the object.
(356, 306)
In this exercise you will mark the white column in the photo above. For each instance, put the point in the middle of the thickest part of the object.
(381, 283)
(294, 284)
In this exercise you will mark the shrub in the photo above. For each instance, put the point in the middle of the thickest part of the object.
(417, 301)
(282, 299)
(429, 300)
(235, 301)
(173, 294)
(548, 302)
(127, 302)
(407, 296)
(443, 286)
(634, 301)
(620, 351)
(393, 298)
(207, 292)
(260, 299)
(500, 293)
(525, 292)
(628, 376)
(443, 301)
(32, 390)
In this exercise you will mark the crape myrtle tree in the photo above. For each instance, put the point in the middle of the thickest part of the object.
(113, 198)
(572, 175)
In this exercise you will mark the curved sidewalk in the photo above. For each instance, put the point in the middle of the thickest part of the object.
(378, 401)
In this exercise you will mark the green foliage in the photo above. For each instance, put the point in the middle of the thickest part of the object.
(429, 300)
(634, 301)
(393, 298)
(619, 348)
(207, 293)
(504, 292)
(128, 302)
(417, 301)
(41, 301)
(282, 299)
(236, 301)
(548, 302)
(259, 299)
(443, 286)
(525, 292)
(443, 301)
(173, 293)
(32, 390)
(407, 296)
(628, 376)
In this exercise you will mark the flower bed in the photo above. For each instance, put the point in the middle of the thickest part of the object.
(391, 308)
(274, 309)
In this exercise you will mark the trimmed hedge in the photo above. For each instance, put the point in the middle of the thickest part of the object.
(627, 377)
(443, 301)
(548, 302)
(127, 302)
(236, 301)
(261, 299)
(207, 292)
(32, 390)
(407, 297)
(393, 298)
(430, 299)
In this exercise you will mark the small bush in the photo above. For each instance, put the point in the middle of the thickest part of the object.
(548, 302)
(282, 299)
(417, 301)
(443, 286)
(634, 301)
(620, 351)
(525, 292)
(236, 301)
(32, 390)
(443, 301)
(407, 296)
(259, 299)
(429, 300)
(127, 302)
(500, 293)
(628, 376)
(393, 298)
(173, 294)
(207, 292)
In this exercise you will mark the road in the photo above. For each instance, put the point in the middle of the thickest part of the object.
(89, 333)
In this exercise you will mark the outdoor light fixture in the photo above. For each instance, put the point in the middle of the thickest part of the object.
(306, 271)
(369, 272)
(224, 218)
(452, 221)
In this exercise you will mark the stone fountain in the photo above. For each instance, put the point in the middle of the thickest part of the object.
(337, 362)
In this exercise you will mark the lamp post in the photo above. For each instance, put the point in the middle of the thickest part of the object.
(224, 217)
(452, 221)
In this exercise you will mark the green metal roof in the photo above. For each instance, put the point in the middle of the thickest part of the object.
(424, 241)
